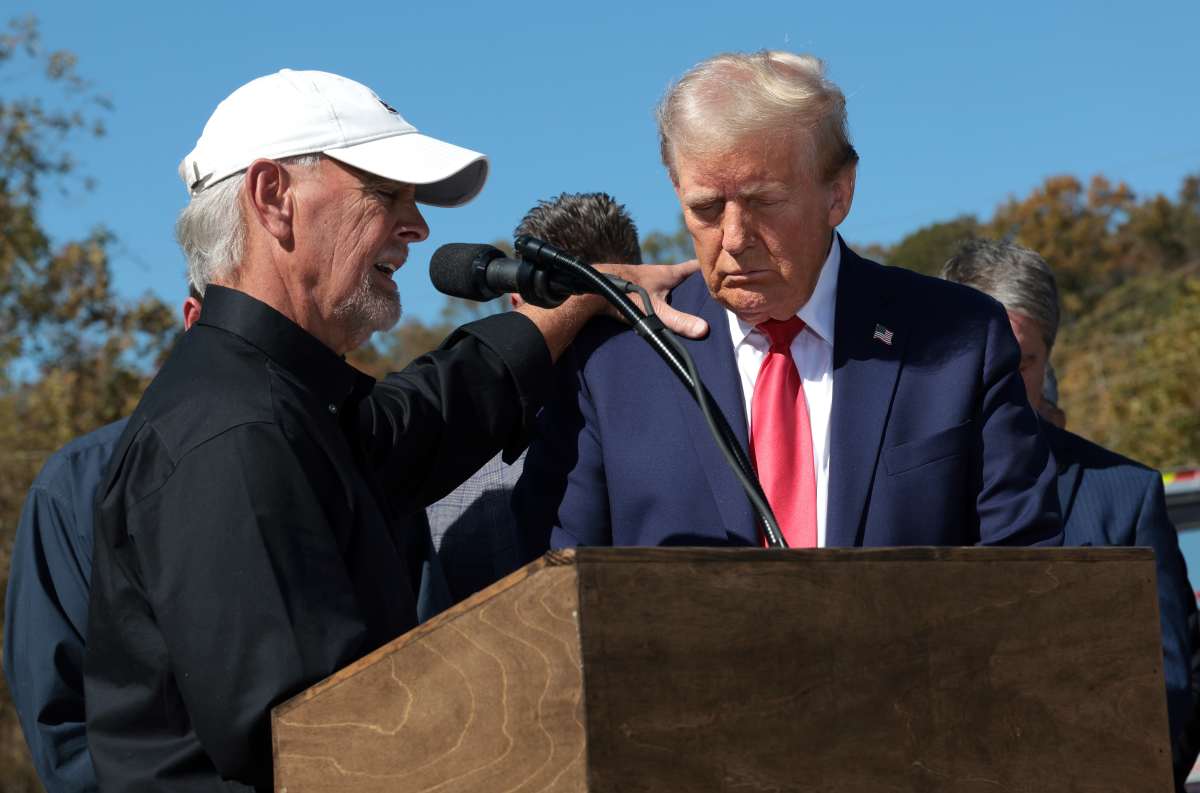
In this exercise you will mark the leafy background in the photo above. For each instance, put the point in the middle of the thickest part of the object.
(75, 356)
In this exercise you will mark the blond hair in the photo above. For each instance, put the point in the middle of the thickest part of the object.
(731, 96)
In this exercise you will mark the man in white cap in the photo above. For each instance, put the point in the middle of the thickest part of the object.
(250, 535)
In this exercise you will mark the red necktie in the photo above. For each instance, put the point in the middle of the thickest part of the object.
(781, 437)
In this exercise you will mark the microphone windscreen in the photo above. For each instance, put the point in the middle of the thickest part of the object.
(453, 269)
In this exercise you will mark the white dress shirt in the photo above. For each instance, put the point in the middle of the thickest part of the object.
(812, 350)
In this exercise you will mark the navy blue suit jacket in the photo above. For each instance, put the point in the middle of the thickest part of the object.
(933, 440)
(45, 625)
(46, 610)
(1108, 499)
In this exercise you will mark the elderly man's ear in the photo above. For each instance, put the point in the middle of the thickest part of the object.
(270, 199)
(191, 312)
(841, 195)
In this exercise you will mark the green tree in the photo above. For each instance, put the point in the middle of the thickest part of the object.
(1127, 272)
(1074, 229)
(668, 247)
(1164, 232)
(1128, 369)
(927, 249)
(1129, 285)
(73, 356)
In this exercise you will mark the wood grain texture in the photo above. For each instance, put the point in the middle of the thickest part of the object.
(761, 556)
(967, 670)
(911, 669)
(485, 698)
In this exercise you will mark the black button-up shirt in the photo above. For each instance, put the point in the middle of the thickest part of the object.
(250, 533)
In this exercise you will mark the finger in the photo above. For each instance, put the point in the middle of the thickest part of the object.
(687, 325)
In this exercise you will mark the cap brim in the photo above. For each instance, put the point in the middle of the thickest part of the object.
(445, 175)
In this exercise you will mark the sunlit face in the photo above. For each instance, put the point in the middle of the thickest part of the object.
(352, 231)
(1034, 355)
(761, 223)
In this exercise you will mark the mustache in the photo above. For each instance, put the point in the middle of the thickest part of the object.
(393, 254)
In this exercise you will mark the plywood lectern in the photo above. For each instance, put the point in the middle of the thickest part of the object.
(841, 671)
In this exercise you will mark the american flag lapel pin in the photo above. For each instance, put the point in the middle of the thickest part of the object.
(882, 334)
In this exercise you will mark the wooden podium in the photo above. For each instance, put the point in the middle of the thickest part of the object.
(842, 671)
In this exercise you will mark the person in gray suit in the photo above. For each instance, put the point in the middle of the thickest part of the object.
(1106, 499)
(473, 527)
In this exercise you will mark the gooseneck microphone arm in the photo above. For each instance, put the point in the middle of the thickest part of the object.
(668, 347)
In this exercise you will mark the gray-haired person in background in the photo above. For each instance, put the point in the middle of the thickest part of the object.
(473, 527)
(1106, 499)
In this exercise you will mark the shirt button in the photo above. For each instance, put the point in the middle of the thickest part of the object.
(333, 408)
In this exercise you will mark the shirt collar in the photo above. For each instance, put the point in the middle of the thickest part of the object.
(818, 312)
(284, 342)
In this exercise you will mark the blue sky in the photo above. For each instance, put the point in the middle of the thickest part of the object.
(953, 106)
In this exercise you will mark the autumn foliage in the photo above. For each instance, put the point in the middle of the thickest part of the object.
(74, 356)
(1128, 272)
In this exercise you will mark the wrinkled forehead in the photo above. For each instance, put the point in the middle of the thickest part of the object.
(782, 155)
(750, 165)
(694, 192)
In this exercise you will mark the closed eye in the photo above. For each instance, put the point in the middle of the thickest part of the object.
(707, 210)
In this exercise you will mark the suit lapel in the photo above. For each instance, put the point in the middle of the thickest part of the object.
(717, 367)
(865, 371)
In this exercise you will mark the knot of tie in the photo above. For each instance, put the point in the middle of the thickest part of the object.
(781, 332)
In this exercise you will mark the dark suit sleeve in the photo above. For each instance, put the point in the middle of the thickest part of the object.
(432, 425)
(1176, 608)
(44, 628)
(1017, 499)
(561, 500)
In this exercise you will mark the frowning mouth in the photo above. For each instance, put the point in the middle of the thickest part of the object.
(745, 277)
(388, 268)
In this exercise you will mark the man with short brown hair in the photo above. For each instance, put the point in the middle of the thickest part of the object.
(474, 528)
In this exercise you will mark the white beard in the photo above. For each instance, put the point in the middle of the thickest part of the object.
(368, 310)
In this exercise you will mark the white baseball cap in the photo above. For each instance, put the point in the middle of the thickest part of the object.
(305, 112)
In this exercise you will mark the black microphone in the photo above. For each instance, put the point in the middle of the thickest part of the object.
(543, 253)
(483, 272)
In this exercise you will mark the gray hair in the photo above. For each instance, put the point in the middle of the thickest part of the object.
(592, 226)
(733, 95)
(212, 231)
(1017, 277)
